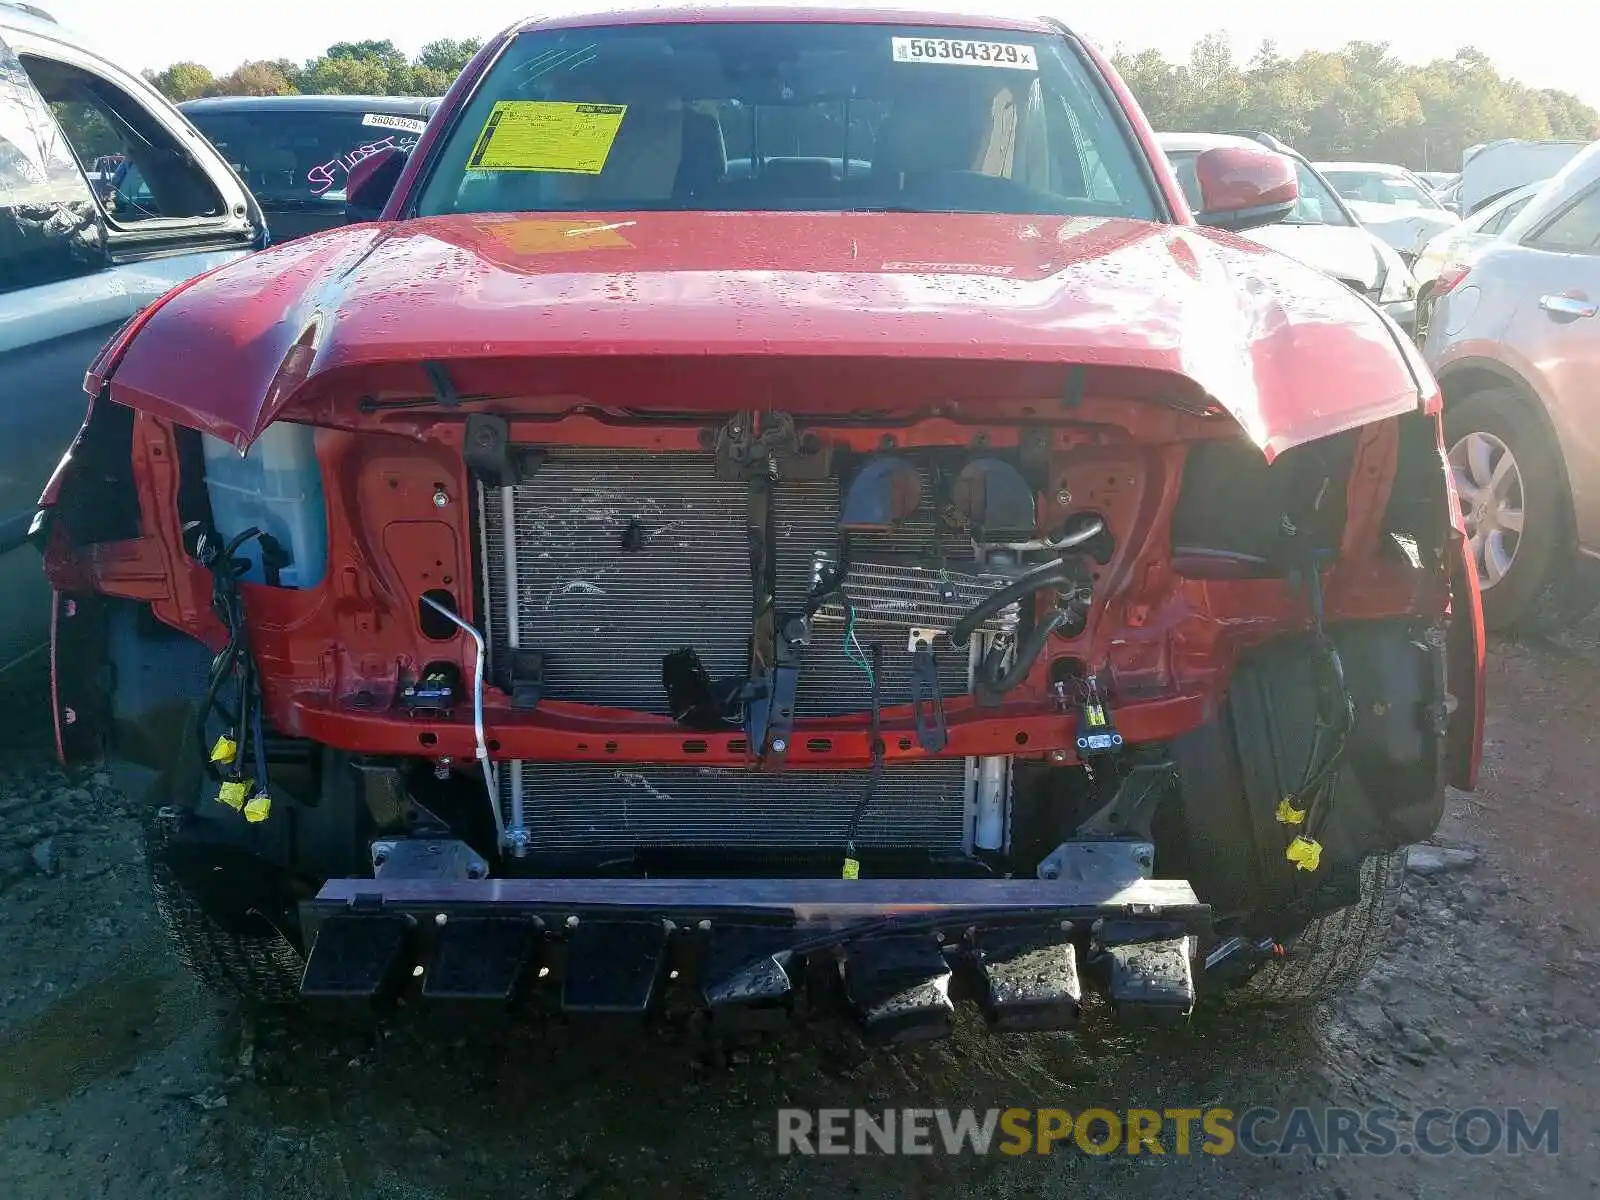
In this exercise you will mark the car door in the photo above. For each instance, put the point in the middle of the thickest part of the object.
(74, 265)
(1556, 329)
(57, 301)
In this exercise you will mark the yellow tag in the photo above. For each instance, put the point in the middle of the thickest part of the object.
(225, 751)
(1288, 814)
(852, 869)
(1096, 715)
(547, 135)
(1305, 853)
(258, 808)
(556, 237)
(233, 793)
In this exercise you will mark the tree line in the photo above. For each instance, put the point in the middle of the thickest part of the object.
(1360, 102)
(1357, 102)
(369, 68)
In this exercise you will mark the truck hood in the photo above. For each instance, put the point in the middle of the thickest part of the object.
(1158, 311)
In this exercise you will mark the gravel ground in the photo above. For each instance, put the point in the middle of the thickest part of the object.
(120, 1078)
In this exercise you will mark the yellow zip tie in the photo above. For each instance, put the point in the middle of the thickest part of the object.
(258, 808)
(1288, 814)
(852, 869)
(1305, 853)
(234, 792)
(225, 751)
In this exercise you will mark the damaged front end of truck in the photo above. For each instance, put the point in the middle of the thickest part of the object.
(759, 677)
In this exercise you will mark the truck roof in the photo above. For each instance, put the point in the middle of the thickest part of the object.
(735, 11)
(408, 105)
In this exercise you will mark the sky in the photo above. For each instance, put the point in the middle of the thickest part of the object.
(155, 33)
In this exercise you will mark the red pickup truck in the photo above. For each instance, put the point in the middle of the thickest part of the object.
(784, 508)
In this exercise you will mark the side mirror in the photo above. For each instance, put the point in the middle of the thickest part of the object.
(1244, 188)
(369, 182)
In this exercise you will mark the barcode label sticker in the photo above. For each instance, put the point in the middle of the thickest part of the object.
(392, 121)
(959, 53)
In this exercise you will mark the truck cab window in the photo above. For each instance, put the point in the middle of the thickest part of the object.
(49, 228)
(157, 179)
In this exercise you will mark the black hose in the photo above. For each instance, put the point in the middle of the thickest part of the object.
(225, 603)
(1027, 654)
(1051, 574)
(221, 669)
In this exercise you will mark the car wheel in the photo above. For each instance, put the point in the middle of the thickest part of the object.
(1510, 482)
(1334, 952)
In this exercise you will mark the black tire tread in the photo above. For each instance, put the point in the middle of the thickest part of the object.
(1336, 950)
(259, 967)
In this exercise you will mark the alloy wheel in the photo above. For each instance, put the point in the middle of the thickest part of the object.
(1489, 484)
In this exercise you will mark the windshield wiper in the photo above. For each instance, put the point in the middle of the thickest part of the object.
(444, 394)
(919, 209)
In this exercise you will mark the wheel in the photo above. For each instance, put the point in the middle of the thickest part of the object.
(1509, 478)
(239, 945)
(1333, 954)
(229, 892)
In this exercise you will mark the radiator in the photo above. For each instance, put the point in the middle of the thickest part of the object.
(605, 616)
(601, 807)
(620, 558)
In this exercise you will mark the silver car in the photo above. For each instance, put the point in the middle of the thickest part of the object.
(1457, 244)
(1515, 343)
(77, 260)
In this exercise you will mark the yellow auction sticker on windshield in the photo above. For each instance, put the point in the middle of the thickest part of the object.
(547, 135)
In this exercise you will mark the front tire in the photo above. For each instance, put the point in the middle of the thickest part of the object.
(1511, 484)
(238, 946)
(1335, 951)
(229, 892)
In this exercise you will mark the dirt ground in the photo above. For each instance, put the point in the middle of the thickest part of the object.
(120, 1078)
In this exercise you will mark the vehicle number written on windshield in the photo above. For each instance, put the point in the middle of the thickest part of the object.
(966, 54)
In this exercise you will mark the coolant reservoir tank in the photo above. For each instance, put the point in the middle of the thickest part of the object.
(277, 488)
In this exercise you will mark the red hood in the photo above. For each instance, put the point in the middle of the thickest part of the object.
(1291, 354)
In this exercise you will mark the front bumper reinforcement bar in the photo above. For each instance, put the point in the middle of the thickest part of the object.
(894, 952)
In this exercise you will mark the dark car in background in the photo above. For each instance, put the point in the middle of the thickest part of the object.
(293, 152)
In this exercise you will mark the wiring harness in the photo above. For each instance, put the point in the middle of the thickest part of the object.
(1308, 807)
(228, 760)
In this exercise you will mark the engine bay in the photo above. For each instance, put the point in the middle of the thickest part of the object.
(749, 588)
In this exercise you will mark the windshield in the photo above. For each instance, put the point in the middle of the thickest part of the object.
(284, 155)
(1381, 187)
(1315, 205)
(778, 116)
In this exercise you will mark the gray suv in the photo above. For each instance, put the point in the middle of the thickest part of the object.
(77, 259)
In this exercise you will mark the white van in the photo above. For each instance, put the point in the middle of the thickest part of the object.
(1491, 170)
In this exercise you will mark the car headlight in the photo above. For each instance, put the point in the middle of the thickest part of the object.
(1398, 284)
